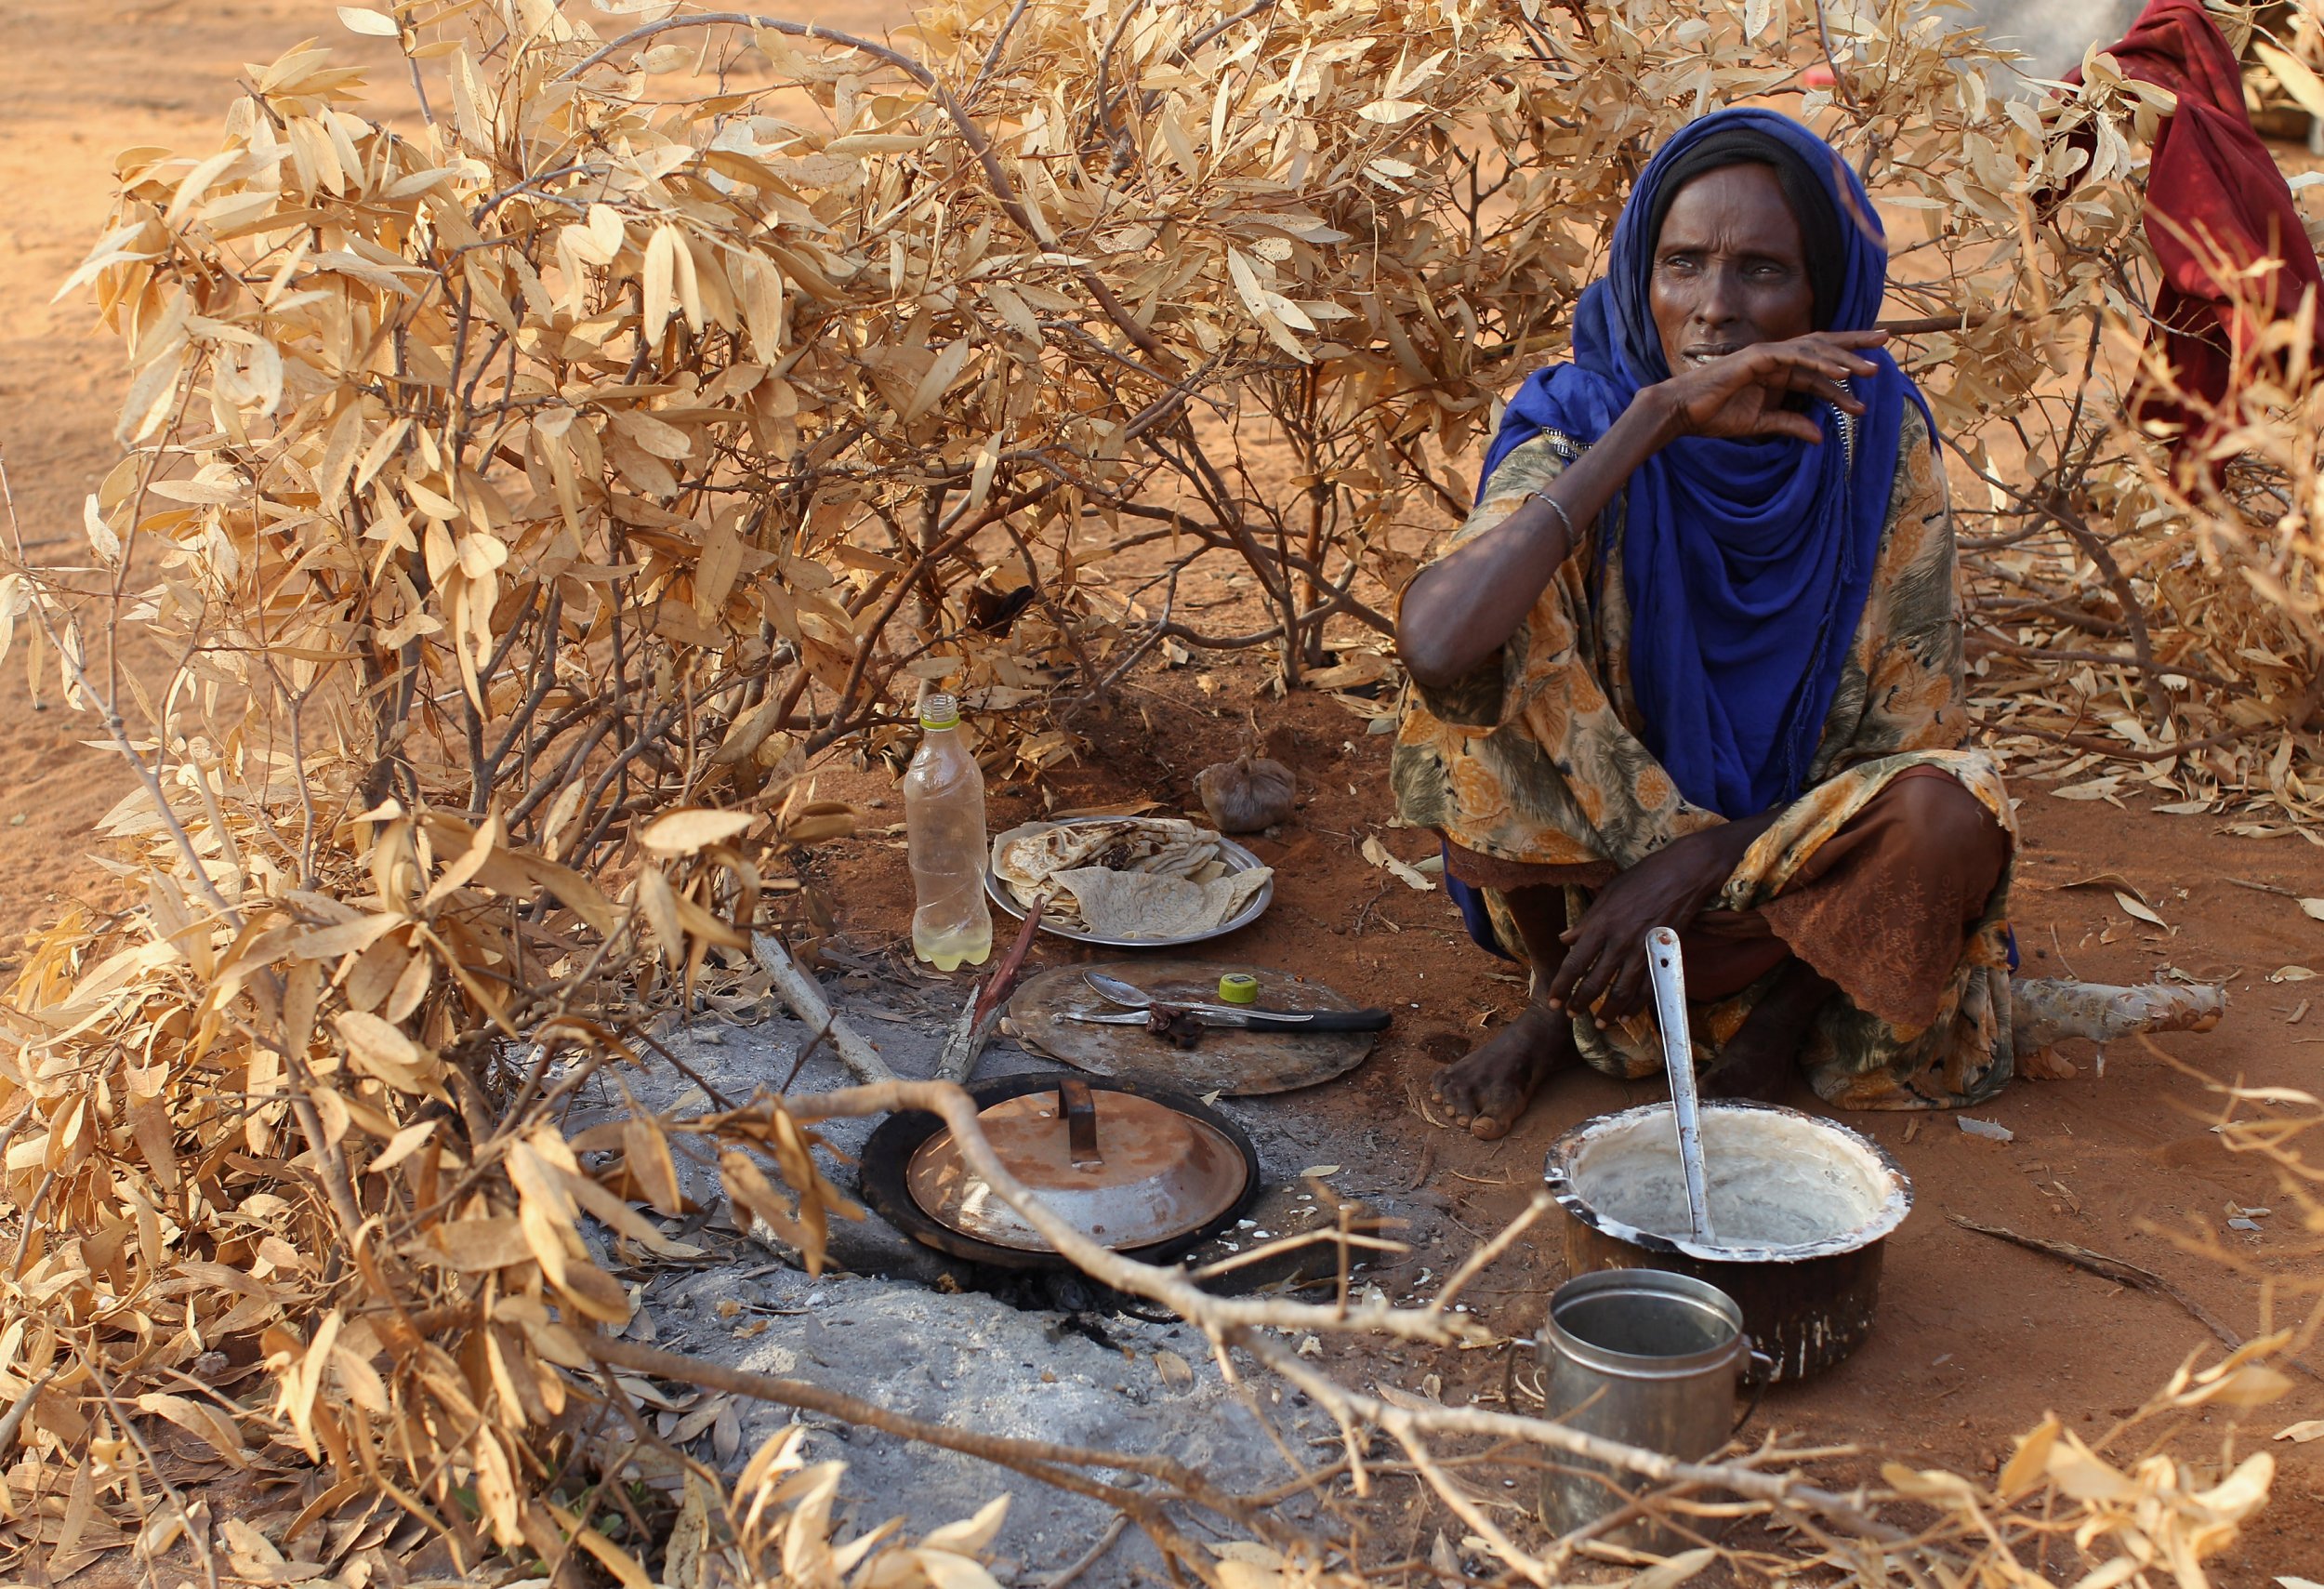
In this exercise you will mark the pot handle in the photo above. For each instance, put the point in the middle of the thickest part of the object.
(1080, 1110)
(1762, 1369)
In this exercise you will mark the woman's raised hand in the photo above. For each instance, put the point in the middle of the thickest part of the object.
(1743, 393)
(1461, 608)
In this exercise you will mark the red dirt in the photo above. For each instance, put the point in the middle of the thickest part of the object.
(1975, 1339)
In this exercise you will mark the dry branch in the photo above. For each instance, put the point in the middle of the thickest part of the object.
(805, 998)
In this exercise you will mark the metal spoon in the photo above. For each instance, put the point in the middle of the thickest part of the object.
(1669, 971)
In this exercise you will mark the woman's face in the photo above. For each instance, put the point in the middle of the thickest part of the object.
(1729, 269)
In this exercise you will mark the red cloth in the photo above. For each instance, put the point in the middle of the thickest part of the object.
(2213, 189)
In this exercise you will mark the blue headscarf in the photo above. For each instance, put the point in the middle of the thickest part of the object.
(1746, 562)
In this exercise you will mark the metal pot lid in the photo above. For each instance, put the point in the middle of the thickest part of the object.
(1125, 1170)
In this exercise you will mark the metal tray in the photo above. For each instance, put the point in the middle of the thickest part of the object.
(1235, 1064)
(1238, 859)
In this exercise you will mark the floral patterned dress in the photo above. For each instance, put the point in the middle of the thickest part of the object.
(1534, 758)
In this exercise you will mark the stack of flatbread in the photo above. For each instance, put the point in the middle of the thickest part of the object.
(1131, 877)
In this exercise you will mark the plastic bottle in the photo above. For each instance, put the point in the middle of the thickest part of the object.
(944, 817)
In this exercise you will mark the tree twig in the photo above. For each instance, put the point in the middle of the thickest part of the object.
(2122, 1272)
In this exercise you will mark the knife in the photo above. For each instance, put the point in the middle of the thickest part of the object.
(1115, 990)
(1245, 1020)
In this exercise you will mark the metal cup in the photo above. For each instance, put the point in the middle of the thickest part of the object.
(1644, 1357)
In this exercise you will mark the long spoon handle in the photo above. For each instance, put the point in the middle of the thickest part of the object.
(1669, 971)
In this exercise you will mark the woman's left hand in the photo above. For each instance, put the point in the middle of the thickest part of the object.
(1604, 969)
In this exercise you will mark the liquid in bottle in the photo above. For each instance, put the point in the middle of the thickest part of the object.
(943, 819)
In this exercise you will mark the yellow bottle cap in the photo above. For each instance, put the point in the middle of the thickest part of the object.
(1239, 988)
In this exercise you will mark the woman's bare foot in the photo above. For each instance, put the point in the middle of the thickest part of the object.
(1488, 1090)
(1758, 1061)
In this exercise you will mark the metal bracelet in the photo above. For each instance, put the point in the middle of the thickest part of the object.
(1563, 517)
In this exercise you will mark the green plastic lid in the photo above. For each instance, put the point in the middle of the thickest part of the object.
(1239, 988)
(940, 711)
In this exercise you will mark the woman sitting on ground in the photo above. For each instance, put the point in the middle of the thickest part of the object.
(1695, 661)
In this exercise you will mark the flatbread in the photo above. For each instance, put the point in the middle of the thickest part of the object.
(1145, 877)
(1024, 857)
(1147, 905)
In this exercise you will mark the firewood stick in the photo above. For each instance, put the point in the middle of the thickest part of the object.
(804, 994)
(980, 1018)
(2045, 1011)
(965, 1041)
(2122, 1273)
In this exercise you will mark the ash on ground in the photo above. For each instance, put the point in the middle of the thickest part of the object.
(1039, 1357)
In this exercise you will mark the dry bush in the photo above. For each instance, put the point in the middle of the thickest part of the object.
(2153, 608)
(2246, 584)
(527, 498)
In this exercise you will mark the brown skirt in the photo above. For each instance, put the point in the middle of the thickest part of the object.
(1880, 910)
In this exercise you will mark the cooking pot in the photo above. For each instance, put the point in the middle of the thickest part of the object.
(1800, 1209)
(1144, 1171)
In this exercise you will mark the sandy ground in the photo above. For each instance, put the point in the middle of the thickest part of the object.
(1975, 1339)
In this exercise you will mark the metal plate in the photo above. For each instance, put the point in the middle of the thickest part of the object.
(1238, 859)
(1233, 1063)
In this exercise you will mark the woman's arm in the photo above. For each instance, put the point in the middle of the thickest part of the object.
(1464, 606)
(1604, 968)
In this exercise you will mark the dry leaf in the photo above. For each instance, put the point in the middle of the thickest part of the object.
(1671, 1572)
(370, 23)
(2114, 882)
(683, 832)
(2298, 79)
(1377, 853)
